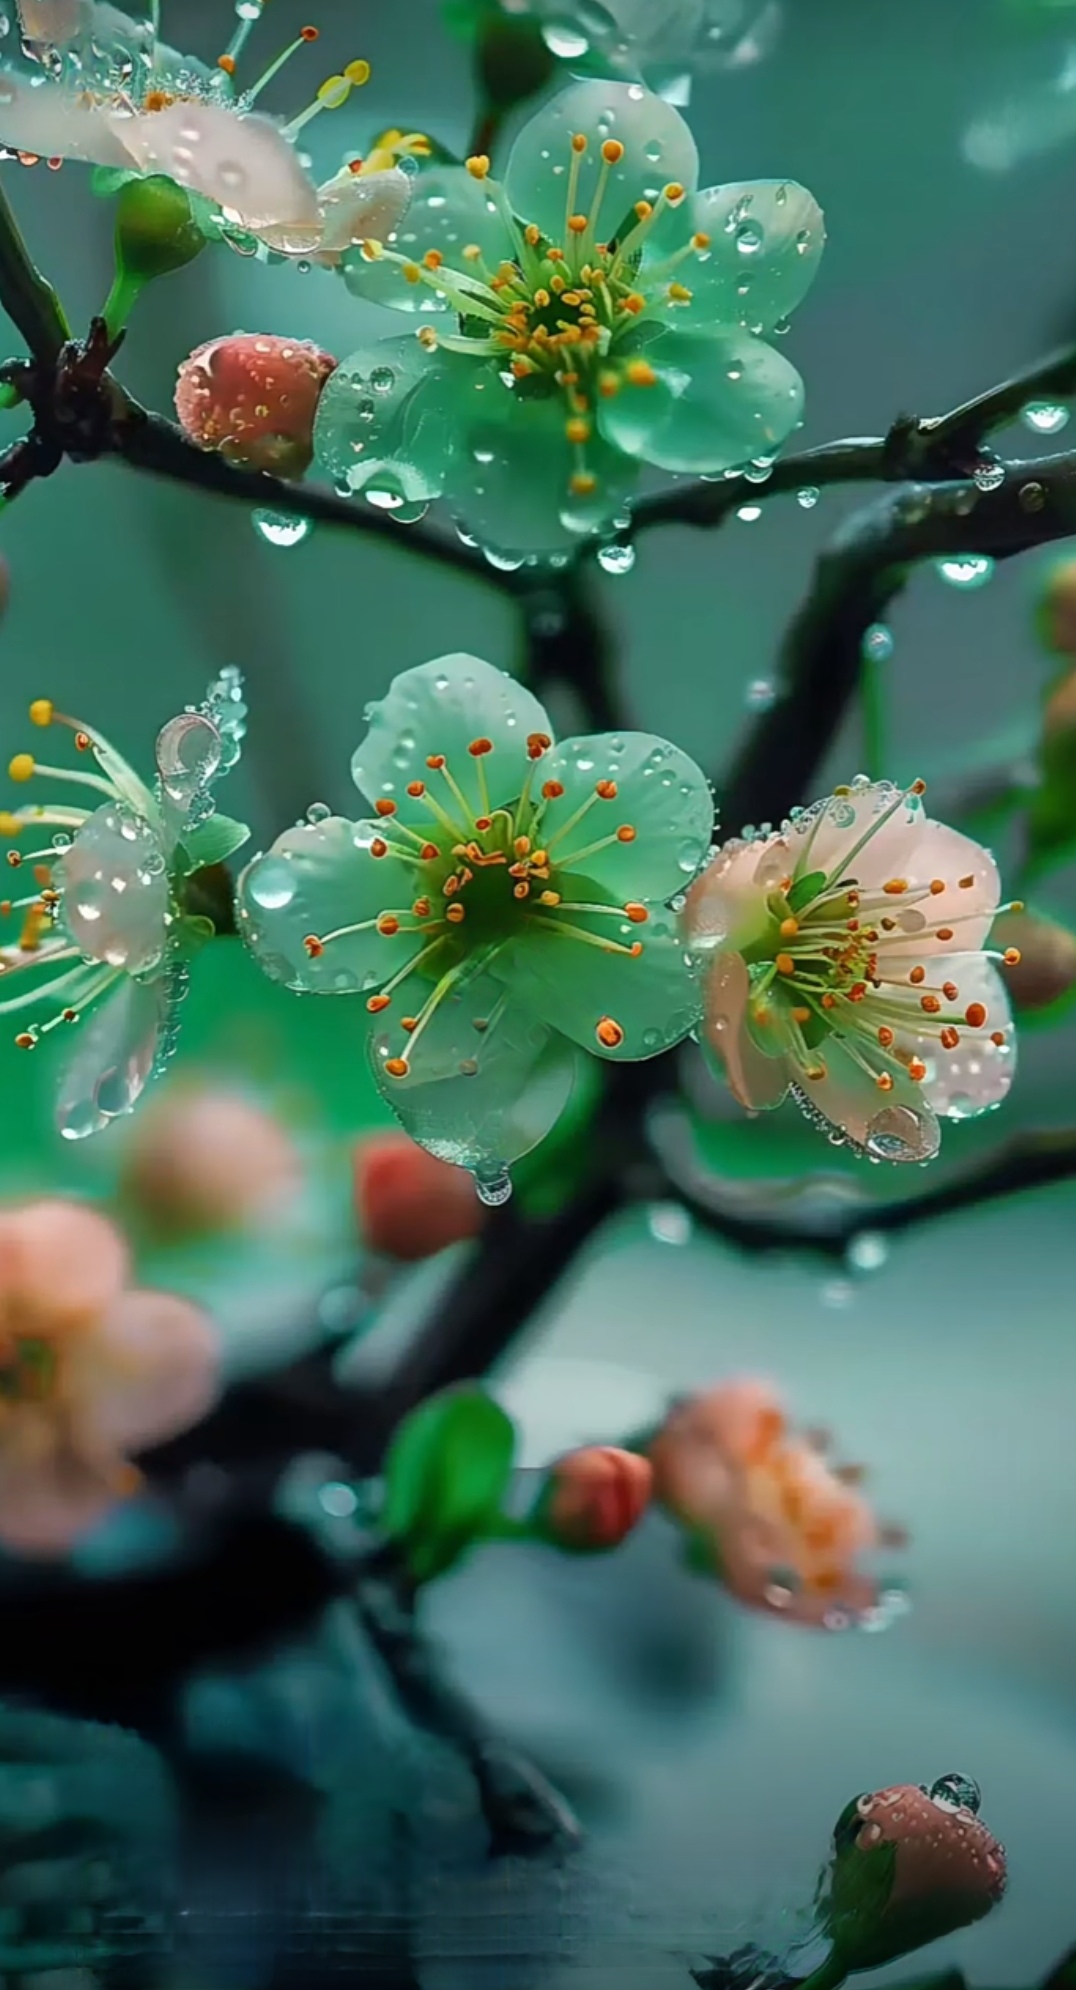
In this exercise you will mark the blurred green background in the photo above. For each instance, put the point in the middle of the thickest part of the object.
(721, 1748)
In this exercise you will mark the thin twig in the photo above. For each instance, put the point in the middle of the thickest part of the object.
(29, 300)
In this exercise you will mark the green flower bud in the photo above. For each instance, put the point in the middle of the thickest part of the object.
(155, 234)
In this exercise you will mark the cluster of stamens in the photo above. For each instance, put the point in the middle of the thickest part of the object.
(830, 973)
(557, 312)
(483, 878)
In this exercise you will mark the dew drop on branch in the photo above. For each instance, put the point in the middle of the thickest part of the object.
(281, 528)
(966, 570)
(1044, 417)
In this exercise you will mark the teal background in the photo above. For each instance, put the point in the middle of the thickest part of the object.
(716, 1750)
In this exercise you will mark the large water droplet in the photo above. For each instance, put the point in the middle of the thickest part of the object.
(990, 474)
(956, 1792)
(878, 643)
(188, 755)
(966, 570)
(563, 39)
(901, 1133)
(616, 559)
(494, 1186)
(748, 238)
(808, 497)
(1044, 417)
(272, 884)
(281, 528)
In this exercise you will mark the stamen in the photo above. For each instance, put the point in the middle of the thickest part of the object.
(588, 939)
(231, 57)
(334, 92)
(24, 767)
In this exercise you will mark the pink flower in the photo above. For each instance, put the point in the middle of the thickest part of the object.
(253, 397)
(847, 965)
(594, 1497)
(204, 1160)
(410, 1204)
(780, 1527)
(909, 1866)
(91, 1372)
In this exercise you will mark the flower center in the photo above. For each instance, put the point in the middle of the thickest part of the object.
(560, 312)
(486, 877)
(28, 1369)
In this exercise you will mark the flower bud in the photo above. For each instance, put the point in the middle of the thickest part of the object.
(253, 398)
(908, 1866)
(594, 1497)
(410, 1204)
(1056, 613)
(207, 1160)
(1046, 968)
(155, 230)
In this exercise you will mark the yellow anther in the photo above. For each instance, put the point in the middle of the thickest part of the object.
(679, 294)
(427, 337)
(542, 299)
(633, 303)
(579, 143)
(333, 92)
(532, 235)
(412, 272)
(701, 241)
(789, 928)
(433, 259)
(471, 253)
(785, 964)
(10, 825)
(674, 193)
(357, 74)
(22, 767)
(582, 484)
(644, 209)
(577, 224)
(478, 166)
(640, 373)
(577, 430)
(608, 385)
(371, 251)
(41, 712)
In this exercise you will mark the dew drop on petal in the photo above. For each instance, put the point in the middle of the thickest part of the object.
(749, 513)
(616, 559)
(878, 643)
(272, 884)
(563, 39)
(281, 528)
(761, 694)
(669, 1223)
(494, 1187)
(900, 1133)
(808, 497)
(867, 1252)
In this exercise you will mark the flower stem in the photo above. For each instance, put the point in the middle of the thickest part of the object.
(121, 300)
(29, 300)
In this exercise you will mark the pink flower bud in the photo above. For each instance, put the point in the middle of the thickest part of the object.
(1044, 967)
(253, 397)
(596, 1496)
(909, 1866)
(207, 1160)
(409, 1204)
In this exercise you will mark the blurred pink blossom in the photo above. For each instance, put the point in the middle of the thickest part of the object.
(204, 1160)
(410, 1204)
(782, 1528)
(596, 1496)
(91, 1373)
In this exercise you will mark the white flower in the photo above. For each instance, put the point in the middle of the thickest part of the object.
(109, 909)
(104, 89)
(848, 964)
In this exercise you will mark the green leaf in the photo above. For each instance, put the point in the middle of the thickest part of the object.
(446, 1472)
(805, 889)
(211, 842)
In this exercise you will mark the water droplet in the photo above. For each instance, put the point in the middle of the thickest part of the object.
(616, 559)
(281, 528)
(652, 151)
(901, 1133)
(761, 694)
(383, 379)
(318, 812)
(1032, 497)
(878, 643)
(966, 570)
(690, 855)
(561, 38)
(505, 563)
(748, 238)
(990, 474)
(272, 884)
(749, 513)
(1044, 417)
(868, 1251)
(494, 1186)
(808, 497)
(837, 1292)
(62, 840)
(668, 1223)
(956, 1792)
(338, 1499)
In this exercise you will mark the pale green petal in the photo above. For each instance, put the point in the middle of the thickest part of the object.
(439, 708)
(480, 1098)
(381, 415)
(766, 242)
(511, 486)
(316, 878)
(114, 1056)
(449, 211)
(660, 792)
(891, 1126)
(658, 149)
(654, 997)
(115, 887)
(716, 403)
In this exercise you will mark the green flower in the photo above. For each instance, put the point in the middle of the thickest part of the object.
(593, 314)
(660, 43)
(505, 904)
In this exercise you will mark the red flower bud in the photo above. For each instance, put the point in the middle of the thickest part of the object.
(253, 398)
(908, 1867)
(596, 1496)
(409, 1203)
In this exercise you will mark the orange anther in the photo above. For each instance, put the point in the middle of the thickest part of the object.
(785, 964)
(966, 884)
(918, 974)
(607, 790)
(638, 914)
(309, 34)
(577, 224)
(428, 852)
(83, 741)
(612, 151)
(416, 788)
(997, 1036)
(384, 806)
(625, 834)
(884, 1081)
(388, 924)
(314, 947)
(397, 1067)
(1012, 956)
(937, 886)
(227, 63)
(479, 747)
(895, 886)
(583, 483)
(521, 890)
(25, 1040)
(950, 991)
(640, 373)
(609, 1033)
(579, 143)
(376, 1003)
(975, 1015)
(950, 1038)
(801, 1016)
(435, 760)
(944, 932)
(552, 790)
(789, 928)
(433, 259)
(930, 1004)
(917, 1070)
(421, 908)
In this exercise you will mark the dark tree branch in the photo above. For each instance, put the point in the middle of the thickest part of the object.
(30, 302)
